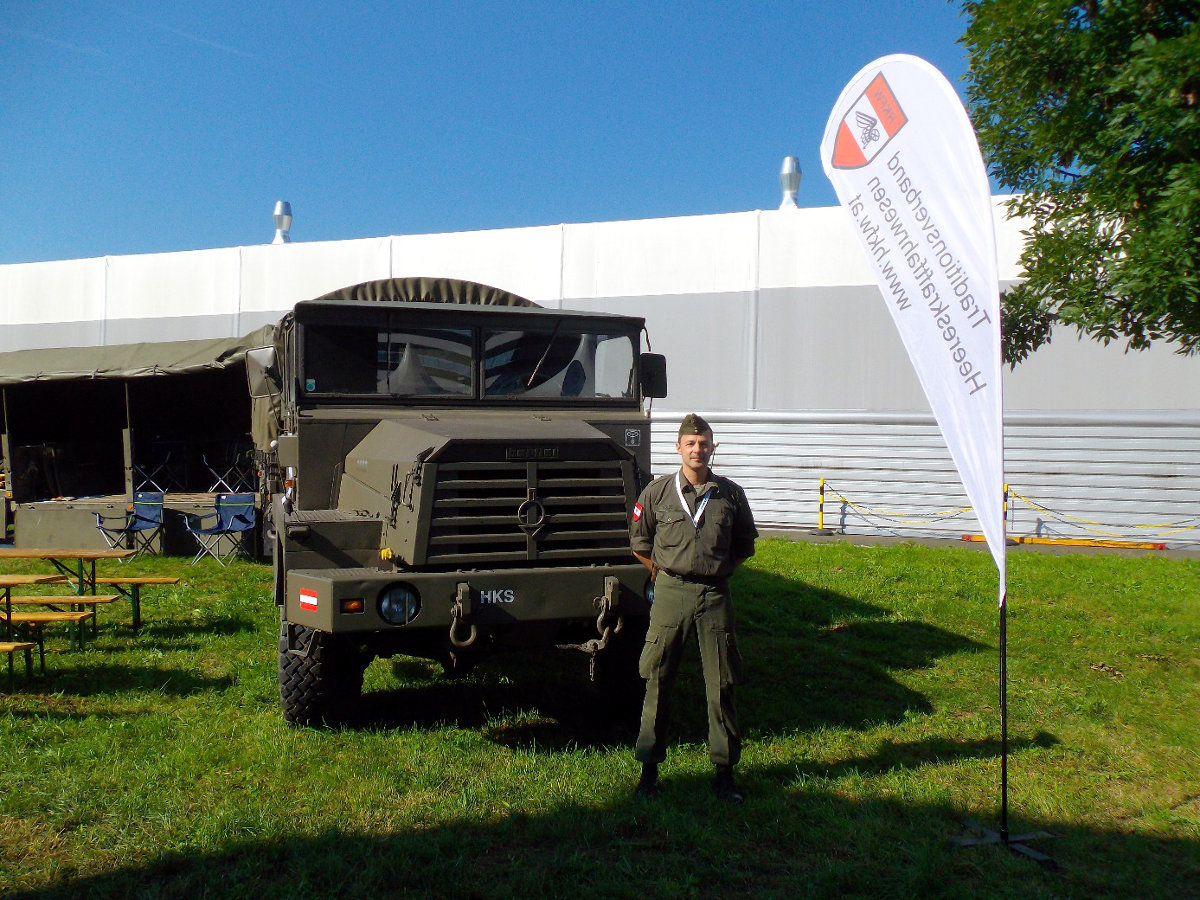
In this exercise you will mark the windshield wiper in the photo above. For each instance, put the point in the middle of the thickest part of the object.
(549, 345)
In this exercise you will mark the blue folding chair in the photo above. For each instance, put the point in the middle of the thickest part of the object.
(233, 518)
(141, 526)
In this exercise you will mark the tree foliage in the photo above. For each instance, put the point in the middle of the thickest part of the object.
(1091, 111)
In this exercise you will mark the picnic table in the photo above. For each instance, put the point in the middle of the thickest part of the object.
(82, 569)
(83, 573)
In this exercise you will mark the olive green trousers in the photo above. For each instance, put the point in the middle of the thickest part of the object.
(681, 609)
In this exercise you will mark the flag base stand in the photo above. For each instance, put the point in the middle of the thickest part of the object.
(823, 532)
(1016, 843)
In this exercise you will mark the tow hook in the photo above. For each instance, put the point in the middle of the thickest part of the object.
(460, 612)
(605, 625)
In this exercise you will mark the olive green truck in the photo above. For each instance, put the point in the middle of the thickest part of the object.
(450, 471)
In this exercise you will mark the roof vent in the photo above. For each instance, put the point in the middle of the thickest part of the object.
(283, 222)
(789, 180)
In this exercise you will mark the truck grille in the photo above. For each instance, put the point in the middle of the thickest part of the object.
(498, 514)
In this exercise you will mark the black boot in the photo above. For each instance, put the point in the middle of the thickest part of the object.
(726, 787)
(647, 787)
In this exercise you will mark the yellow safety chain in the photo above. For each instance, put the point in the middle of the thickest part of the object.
(896, 515)
(1161, 527)
(1164, 528)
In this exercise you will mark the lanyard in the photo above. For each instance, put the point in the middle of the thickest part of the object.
(701, 503)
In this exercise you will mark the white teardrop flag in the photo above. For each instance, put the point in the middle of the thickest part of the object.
(903, 158)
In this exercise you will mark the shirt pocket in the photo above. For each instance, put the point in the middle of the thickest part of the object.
(716, 530)
(673, 529)
(723, 515)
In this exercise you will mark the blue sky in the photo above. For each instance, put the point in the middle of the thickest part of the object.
(139, 127)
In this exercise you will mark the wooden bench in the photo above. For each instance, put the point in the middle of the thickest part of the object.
(8, 644)
(34, 623)
(52, 600)
(14, 647)
(12, 581)
(131, 587)
(56, 601)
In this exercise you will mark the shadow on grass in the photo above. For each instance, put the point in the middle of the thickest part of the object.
(170, 631)
(794, 844)
(95, 680)
(894, 755)
(549, 695)
(812, 658)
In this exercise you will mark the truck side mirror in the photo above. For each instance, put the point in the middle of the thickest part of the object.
(262, 375)
(654, 375)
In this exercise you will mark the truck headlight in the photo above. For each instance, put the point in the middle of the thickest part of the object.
(399, 604)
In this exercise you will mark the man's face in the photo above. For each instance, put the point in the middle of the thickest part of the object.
(695, 450)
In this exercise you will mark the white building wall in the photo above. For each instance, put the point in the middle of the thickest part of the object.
(772, 327)
(523, 261)
(275, 277)
(171, 296)
(52, 304)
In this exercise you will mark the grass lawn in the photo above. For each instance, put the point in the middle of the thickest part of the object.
(158, 765)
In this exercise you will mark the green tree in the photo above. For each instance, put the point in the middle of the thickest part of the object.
(1091, 111)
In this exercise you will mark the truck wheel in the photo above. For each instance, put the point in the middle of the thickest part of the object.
(617, 678)
(319, 688)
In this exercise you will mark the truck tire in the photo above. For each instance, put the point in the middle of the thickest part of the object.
(321, 687)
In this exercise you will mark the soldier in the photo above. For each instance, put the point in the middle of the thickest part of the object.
(691, 529)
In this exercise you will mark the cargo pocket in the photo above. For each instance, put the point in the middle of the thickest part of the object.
(731, 659)
(652, 653)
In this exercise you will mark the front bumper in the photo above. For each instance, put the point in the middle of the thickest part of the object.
(324, 599)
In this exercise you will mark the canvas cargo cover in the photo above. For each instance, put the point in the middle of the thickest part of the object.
(126, 360)
(427, 290)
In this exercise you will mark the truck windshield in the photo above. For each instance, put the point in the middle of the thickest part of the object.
(560, 360)
(414, 362)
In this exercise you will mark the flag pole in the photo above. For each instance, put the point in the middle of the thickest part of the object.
(1017, 843)
(1004, 718)
(1004, 677)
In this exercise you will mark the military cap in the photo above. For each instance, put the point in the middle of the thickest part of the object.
(693, 424)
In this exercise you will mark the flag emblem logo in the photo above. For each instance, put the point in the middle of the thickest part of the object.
(637, 512)
(308, 599)
(869, 132)
(868, 126)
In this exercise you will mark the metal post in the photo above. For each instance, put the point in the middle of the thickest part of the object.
(821, 529)
(1004, 719)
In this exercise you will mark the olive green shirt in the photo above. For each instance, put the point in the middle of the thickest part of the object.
(664, 531)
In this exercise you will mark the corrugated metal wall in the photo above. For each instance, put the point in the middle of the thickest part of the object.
(1127, 477)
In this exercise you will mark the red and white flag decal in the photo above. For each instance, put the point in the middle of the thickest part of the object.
(637, 512)
(903, 158)
(308, 599)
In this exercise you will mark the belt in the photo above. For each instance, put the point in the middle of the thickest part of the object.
(707, 580)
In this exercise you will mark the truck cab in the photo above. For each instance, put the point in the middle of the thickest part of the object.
(453, 471)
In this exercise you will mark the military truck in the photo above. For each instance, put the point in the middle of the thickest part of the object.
(451, 472)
